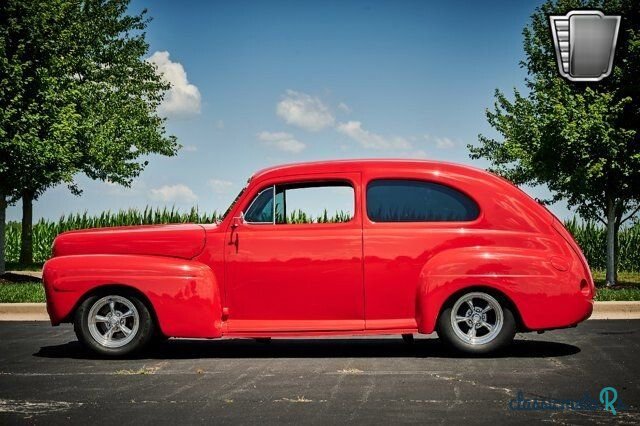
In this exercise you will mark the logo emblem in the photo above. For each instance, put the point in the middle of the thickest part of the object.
(585, 42)
(608, 396)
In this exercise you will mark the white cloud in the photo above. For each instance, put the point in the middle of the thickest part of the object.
(367, 139)
(445, 143)
(178, 193)
(183, 98)
(305, 111)
(344, 107)
(282, 141)
(419, 153)
(220, 186)
(440, 142)
(190, 148)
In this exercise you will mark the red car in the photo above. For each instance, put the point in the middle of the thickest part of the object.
(415, 247)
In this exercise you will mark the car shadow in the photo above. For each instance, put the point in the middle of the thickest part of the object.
(314, 348)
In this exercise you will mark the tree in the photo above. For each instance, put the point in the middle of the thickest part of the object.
(8, 194)
(581, 140)
(77, 96)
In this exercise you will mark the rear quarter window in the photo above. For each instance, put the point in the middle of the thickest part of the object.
(398, 200)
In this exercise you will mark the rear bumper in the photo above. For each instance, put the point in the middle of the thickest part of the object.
(567, 311)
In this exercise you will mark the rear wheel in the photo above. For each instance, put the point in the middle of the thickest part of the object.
(114, 324)
(477, 323)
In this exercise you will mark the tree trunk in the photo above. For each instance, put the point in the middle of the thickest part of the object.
(3, 225)
(616, 250)
(611, 243)
(26, 238)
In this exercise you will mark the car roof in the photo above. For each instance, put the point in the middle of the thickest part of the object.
(351, 165)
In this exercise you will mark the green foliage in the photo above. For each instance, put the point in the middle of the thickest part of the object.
(592, 239)
(76, 95)
(299, 217)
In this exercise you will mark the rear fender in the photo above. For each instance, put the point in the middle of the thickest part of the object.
(544, 296)
(183, 294)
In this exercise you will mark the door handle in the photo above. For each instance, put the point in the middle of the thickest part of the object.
(234, 241)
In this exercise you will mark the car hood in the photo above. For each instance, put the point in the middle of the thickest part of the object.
(183, 241)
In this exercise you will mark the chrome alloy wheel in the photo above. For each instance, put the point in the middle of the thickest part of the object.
(113, 321)
(477, 318)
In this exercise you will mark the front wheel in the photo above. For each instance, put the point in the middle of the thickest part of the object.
(477, 323)
(114, 324)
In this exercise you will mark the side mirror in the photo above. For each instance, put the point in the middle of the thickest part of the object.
(237, 221)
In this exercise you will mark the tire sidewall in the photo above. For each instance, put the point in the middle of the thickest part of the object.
(143, 335)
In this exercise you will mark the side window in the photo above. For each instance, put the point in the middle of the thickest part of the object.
(395, 200)
(261, 208)
(308, 202)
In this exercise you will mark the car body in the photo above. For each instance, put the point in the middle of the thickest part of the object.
(369, 274)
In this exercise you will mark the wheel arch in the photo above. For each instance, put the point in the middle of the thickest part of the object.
(119, 288)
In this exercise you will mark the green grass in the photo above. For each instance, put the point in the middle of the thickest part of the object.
(619, 294)
(625, 279)
(29, 292)
(627, 288)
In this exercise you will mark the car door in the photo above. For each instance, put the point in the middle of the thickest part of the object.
(408, 219)
(285, 274)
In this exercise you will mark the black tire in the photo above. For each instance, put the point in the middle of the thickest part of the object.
(502, 338)
(142, 334)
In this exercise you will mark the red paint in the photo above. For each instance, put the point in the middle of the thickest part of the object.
(359, 277)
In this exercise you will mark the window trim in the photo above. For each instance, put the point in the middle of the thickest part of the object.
(426, 181)
(255, 198)
(348, 183)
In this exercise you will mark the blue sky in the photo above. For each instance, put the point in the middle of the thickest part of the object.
(269, 82)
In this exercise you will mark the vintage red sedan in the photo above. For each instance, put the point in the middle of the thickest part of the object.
(394, 247)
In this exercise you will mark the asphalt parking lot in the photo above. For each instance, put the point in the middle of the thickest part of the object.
(46, 377)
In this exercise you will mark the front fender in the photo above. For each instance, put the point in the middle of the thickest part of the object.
(183, 294)
(544, 296)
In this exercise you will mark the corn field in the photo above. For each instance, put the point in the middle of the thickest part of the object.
(298, 216)
(590, 237)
